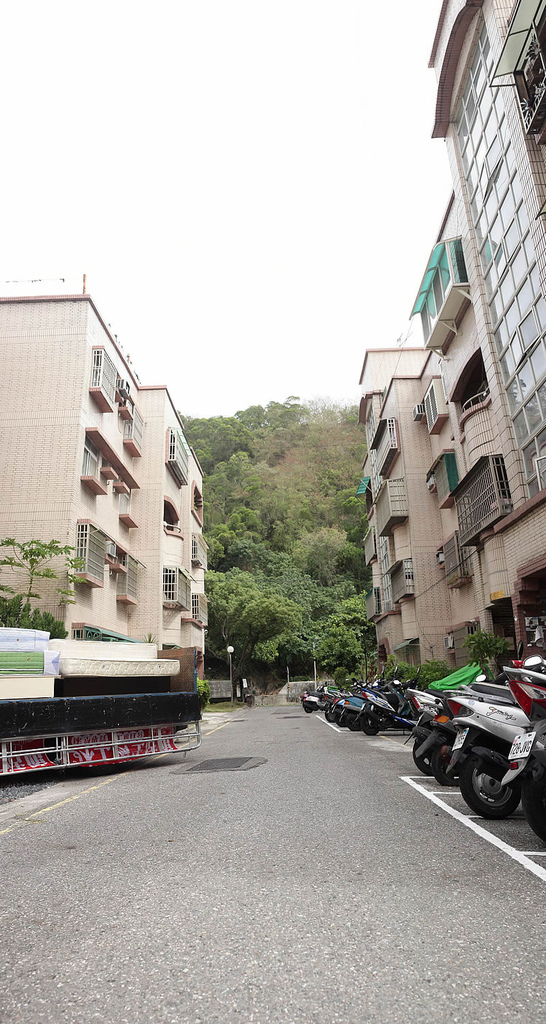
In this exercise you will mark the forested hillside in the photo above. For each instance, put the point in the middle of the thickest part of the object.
(285, 532)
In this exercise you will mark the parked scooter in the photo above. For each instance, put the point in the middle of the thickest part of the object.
(527, 755)
(487, 724)
(315, 700)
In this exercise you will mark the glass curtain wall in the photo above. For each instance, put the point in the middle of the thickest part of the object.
(518, 311)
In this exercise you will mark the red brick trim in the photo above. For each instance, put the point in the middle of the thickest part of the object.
(521, 512)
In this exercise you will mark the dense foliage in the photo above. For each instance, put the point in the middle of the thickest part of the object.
(285, 532)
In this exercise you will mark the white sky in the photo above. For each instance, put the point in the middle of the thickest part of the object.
(249, 185)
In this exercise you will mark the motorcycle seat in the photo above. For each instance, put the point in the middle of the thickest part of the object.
(493, 692)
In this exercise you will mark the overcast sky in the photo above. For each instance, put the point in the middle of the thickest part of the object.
(249, 185)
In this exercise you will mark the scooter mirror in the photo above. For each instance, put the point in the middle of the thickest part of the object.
(480, 679)
(535, 659)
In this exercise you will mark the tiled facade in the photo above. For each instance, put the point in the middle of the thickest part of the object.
(90, 457)
(480, 505)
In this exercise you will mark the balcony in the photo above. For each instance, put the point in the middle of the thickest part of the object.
(109, 454)
(176, 588)
(125, 515)
(91, 548)
(482, 498)
(90, 471)
(386, 445)
(435, 406)
(108, 471)
(102, 386)
(446, 477)
(132, 435)
(456, 563)
(198, 551)
(443, 295)
(127, 584)
(370, 546)
(392, 506)
(178, 456)
(403, 585)
(199, 609)
(479, 427)
(373, 602)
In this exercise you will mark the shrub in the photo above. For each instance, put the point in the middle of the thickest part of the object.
(203, 689)
(15, 613)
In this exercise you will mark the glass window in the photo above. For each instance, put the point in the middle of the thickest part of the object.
(525, 297)
(486, 255)
(493, 308)
(438, 291)
(528, 330)
(529, 459)
(508, 208)
(516, 189)
(541, 313)
(496, 234)
(514, 397)
(533, 413)
(506, 289)
(512, 239)
(519, 265)
(500, 259)
(538, 359)
(512, 318)
(541, 443)
(501, 336)
(507, 365)
(462, 130)
(525, 378)
(535, 283)
(481, 229)
(529, 250)
(542, 396)
(523, 219)
(516, 348)
(491, 205)
(520, 428)
(510, 158)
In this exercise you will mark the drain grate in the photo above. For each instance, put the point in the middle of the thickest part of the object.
(224, 764)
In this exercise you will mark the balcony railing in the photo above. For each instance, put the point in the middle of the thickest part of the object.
(91, 547)
(132, 435)
(387, 446)
(199, 608)
(392, 506)
(482, 498)
(102, 386)
(456, 562)
(176, 588)
(373, 602)
(370, 545)
(178, 456)
(443, 293)
(127, 583)
(480, 432)
(446, 477)
(403, 584)
(198, 551)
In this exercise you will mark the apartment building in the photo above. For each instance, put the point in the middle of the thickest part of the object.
(481, 308)
(92, 458)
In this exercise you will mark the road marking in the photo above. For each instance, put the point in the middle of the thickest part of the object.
(465, 820)
(68, 800)
(331, 724)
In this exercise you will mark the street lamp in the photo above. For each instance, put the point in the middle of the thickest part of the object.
(314, 662)
(230, 652)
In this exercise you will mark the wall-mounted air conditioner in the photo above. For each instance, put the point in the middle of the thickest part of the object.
(440, 557)
(111, 549)
(123, 387)
(431, 482)
(419, 412)
(449, 642)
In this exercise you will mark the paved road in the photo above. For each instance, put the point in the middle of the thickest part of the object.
(312, 886)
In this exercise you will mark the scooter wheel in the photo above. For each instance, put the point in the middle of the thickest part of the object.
(329, 715)
(354, 723)
(483, 793)
(533, 799)
(308, 710)
(422, 763)
(440, 759)
(367, 726)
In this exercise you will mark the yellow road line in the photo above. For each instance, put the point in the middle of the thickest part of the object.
(61, 803)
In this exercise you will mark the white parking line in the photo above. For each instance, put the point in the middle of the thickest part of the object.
(464, 819)
(331, 724)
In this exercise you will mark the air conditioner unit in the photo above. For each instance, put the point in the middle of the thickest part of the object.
(111, 549)
(431, 482)
(449, 642)
(418, 412)
(123, 387)
(440, 557)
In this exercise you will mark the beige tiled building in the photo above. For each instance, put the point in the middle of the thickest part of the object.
(457, 489)
(92, 458)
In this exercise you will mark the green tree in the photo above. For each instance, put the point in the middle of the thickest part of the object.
(34, 561)
(17, 613)
(484, 648)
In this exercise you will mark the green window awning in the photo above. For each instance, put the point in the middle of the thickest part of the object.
(528, 14)
(363, 485)
(407, 643)
(426, 283)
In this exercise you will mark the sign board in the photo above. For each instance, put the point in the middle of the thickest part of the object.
(496, 595)
(245, 684)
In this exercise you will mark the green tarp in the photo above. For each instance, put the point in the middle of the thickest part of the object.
(461, 677)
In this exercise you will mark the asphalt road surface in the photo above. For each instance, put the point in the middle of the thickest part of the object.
(323, 880)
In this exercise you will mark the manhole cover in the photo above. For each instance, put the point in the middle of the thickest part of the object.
(224, 764)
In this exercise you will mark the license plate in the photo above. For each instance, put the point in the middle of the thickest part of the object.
(522, 746)
(459, 739)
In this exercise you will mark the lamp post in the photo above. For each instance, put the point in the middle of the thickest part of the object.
(314, 662)
(230, 652)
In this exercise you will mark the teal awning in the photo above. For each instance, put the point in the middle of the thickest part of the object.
(433, 262)
(407, 643)
(528, 14)
(363, 485)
